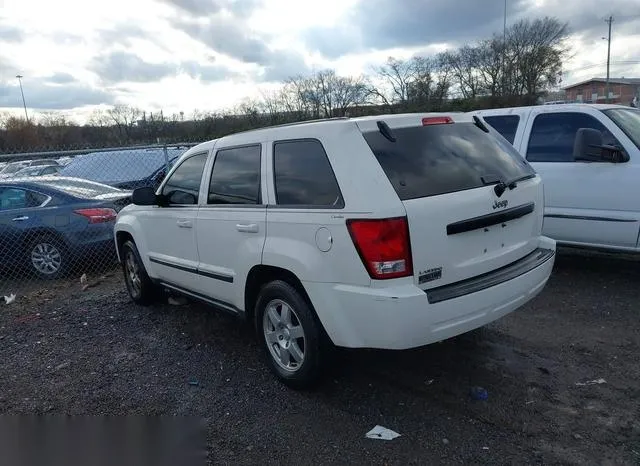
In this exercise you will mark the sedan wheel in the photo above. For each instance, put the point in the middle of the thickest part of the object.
(47, 259)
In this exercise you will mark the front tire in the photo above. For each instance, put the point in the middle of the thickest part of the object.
(140, 287)
(292, 337)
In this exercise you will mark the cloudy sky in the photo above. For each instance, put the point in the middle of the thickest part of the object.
(181, 55)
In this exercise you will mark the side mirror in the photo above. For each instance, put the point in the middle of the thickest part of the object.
(588, 146)
(144, 196)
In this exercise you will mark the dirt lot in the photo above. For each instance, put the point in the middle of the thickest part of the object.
(93, 352)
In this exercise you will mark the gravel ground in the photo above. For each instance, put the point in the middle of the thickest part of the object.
(68, 351)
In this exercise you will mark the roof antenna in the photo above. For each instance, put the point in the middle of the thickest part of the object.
(385, 130)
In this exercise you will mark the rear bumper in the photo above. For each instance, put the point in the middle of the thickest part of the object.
(93, 240)
(402, 317)
(96, 248)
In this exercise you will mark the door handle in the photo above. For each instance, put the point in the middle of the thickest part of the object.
(21, 218)
(250, 228)
(185, 223)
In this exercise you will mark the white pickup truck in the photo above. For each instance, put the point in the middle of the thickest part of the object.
(589, 159)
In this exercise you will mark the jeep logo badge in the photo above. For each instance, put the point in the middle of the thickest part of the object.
(500, 204)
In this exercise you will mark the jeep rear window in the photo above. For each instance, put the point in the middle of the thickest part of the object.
(437, 159)
(506, 125)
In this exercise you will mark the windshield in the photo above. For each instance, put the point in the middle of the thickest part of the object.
(628, 120)
(433, 160)
(36, 163)
(81, 188)
(29, 171)
(12, 168)
(118, 166)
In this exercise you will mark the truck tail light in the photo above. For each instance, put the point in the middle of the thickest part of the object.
(98, 215)
(383, 245)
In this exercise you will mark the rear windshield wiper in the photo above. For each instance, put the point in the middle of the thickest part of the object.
(502, 185)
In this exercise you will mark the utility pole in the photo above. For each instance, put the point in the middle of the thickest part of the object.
(504, 51)
(609, 21)
(19, 76)
(504, 27)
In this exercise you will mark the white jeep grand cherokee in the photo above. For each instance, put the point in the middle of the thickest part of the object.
(392, 231)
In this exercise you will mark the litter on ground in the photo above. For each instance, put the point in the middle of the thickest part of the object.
(591, 382)
(382, 433)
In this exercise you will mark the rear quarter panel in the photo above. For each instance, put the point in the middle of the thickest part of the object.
(294, 235)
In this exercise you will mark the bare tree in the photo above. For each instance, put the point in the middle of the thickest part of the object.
(395, 78)
(299, 99)
(333, 94)
(99, 118)
(53, 119)
(349, 92)
(272, 105)
(464, 68)
(250, 110)
(490, 66)
(443, 76)
(420, 89)
(536, 50)
(4, 117)
(124, 117)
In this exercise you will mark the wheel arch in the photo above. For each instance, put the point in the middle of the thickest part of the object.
(260, 275)
(122, 236)
(32, 235)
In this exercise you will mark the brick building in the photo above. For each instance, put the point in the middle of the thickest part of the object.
(622, 91)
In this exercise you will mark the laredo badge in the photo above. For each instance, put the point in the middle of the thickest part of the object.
(429, 275)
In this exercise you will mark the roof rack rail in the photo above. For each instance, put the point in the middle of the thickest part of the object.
(294, 123)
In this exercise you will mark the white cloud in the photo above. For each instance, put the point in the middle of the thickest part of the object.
(210, 54)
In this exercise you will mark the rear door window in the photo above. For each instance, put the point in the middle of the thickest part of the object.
(15, 198)
(438, 159)
(506, 125)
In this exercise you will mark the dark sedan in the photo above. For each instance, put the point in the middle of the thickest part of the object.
(125, 169)
(47, 223)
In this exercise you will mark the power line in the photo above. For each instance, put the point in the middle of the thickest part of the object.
(598, 65)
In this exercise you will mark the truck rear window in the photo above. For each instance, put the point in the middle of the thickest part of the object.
(431, 160)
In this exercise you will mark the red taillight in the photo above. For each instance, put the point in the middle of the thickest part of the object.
(98, 215)
(383, 246)
(441, 120)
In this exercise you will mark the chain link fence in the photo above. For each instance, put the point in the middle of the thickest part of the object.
(58, 210)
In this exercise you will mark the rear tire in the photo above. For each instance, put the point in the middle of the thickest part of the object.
(48, 257)
(140, 287)
(293, 339)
